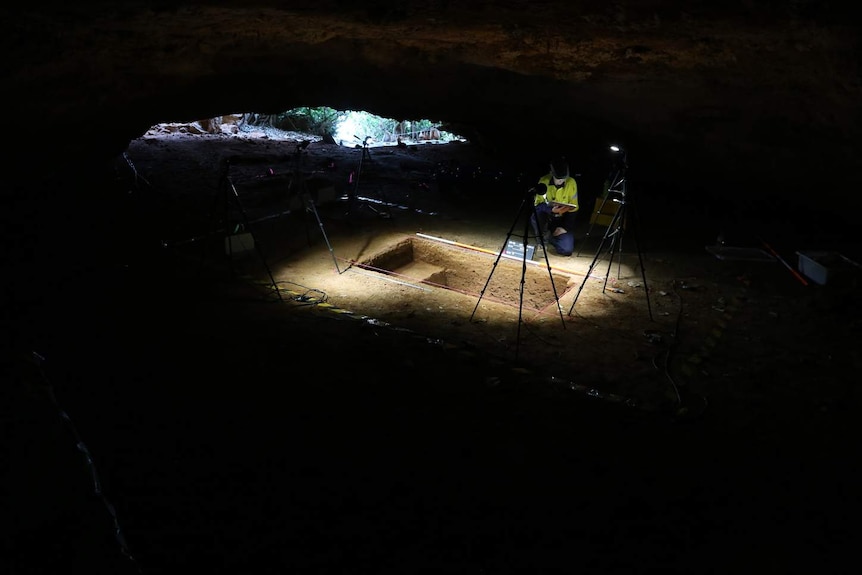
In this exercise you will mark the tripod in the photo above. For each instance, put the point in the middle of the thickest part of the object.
(356, 178)
(298, 187)
(614, 182)
(613, 237)
(526, 211)
(230, 199)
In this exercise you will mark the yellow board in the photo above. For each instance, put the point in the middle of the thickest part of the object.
(603, 215)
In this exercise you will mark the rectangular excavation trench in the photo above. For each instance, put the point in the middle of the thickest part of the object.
(466, 271)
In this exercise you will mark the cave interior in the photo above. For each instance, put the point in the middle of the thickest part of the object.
(747, 110)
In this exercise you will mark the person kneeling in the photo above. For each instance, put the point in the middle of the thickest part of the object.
(556, 205)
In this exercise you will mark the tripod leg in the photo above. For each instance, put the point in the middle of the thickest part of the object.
(256, 242)
(541, 240)
(608, 233)
(614, 180)
(521, 290)
(635, 225)
(353, 193)
(310, 207)
(592, 223)
(526, 236)
(613, 250)
(296, 190)
(621, 226)
(353, 189)
(499, 256)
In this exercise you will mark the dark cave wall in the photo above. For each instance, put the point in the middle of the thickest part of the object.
(751, 100)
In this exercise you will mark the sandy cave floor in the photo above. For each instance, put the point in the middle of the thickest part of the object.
(373, 421)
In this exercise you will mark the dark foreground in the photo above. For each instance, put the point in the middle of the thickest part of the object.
(230, 437)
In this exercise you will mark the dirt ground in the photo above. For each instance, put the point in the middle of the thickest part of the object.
(368, 388)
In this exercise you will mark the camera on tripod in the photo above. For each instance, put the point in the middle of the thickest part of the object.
(537, 190)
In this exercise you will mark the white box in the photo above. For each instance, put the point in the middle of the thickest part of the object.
(238, 243)
(819, 266)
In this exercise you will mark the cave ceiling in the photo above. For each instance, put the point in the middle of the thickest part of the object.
(747, 90)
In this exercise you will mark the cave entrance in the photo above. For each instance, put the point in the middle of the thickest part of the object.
(352, 128)
(466, 270)
(349, 128)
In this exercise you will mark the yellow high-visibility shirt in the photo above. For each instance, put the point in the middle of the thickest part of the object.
(567, 193)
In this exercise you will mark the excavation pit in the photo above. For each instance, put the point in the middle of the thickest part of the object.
(469, 271)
